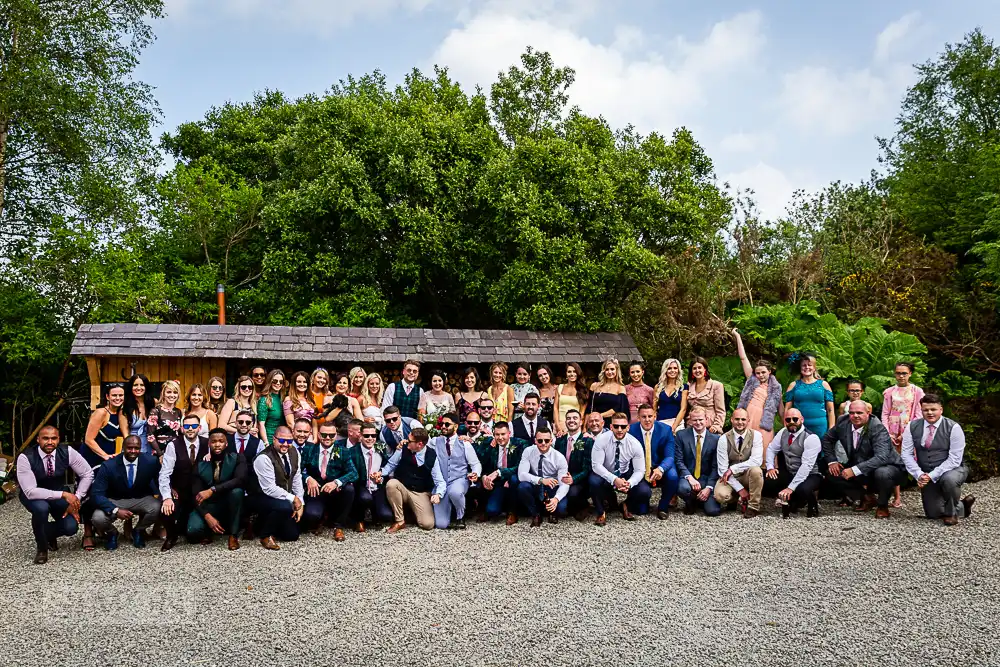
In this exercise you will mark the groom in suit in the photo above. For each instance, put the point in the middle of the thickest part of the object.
(123, 487)
(873, 466)
(527, 425)
(657, 440)
(697, 465)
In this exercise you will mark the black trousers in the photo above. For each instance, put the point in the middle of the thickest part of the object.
(336, 505)
(578, 497)
(375, 502)
(177, 522)
(804, 493)
(882, 483)
(274, 519)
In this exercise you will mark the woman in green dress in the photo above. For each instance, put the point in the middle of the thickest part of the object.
(270, 414)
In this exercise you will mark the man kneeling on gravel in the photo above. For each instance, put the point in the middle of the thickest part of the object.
(740, 454)
(933, 449)
(800, 474)
(417, 482)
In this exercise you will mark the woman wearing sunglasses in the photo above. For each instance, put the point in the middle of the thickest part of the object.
(242, 399)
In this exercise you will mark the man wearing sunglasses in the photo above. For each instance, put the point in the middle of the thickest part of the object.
(176, 477)
(369, 496)
(405, 394)
(329, 474)
(697, 461)
(461, 468)
(618, 465)
(280, 503)
(541, 484)
(500, 457)
(487, 412)
(873, 466)
(246, 444)
(800, 473)
(396, 431)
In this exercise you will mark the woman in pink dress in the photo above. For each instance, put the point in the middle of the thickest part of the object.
(761, 395)
(900, 406)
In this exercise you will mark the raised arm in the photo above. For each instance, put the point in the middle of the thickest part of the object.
(747, 368)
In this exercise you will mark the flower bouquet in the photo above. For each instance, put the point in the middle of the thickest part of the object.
(432, 421)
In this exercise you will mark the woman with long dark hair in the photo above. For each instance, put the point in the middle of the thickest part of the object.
(468, 394)
(139, 404)
(571, 395)
(216, 394)
(706, 393)
(546, 393)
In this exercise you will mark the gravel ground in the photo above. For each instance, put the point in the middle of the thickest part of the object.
(837, 590)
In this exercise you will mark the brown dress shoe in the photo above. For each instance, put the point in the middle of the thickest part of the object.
(234, 543)
(662, 515)
(750, 513)
(950, 520)
(338, 534)
(968, 501)
(269, 544)
(395, 528)
(868, 503)
(482, 518)
(168, 544)
(882, 513)
(41, 557)
(536, 521)
(628, 516)
(602, 520)
(511, 519)
(360, 527)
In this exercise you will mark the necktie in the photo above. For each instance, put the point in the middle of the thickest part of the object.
(398, 435)
(193, 453)
(541, 466)
(447, 446)
(647, 436)
(288, 466)
(371, 484)
(791, 439)
(503, 456)
(218, 469)
(930, 436)
(857, 437)
(739, 443)
(131, 475)
(243, 443)
(697, 458)
(531, 430)
(50, 469)
(407, 388)
(618, 455)
(324, 462)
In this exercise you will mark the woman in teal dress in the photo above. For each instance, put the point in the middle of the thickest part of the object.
(270, 413)
(811, 395)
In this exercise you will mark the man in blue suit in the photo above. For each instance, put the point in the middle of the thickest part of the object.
(124, 487)
(697, 465)
(657, 440)
(395, 432)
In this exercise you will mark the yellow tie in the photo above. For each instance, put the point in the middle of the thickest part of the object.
(697, 458)
(649, 453)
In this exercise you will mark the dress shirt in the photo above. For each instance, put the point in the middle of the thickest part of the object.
(265, 474)
(602, 458)
(530, 425)
(471, 458)
(810, 451)
(167, 464)
(755, 461)
(486, 427)
(29, 485)
(440, 486)
(373, 461)
(856, 435)
(236, 441)
(390, 393)
(553, 466)
(956, 451)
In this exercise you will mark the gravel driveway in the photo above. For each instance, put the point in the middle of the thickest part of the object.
(838, 590)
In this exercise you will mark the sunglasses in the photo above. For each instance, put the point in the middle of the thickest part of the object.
(791, 420)
(391, 420)
(619, 427)
(473, 423)
(216, 387)
(191, 427)
(543, 442)
(447, 424)
(274, 382)
(327, 436)
(260, 375)
(285, 441)
(246, 386)
(368, 435)
(243, 422)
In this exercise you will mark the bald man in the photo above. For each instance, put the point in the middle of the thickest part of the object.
(799, 475)
(741, 454)
(873, 468)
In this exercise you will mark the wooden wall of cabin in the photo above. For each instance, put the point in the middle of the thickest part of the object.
(186, 371)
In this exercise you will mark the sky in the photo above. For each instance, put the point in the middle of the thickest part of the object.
(782, 94)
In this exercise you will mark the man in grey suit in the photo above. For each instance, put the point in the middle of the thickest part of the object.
(697, 465)
(872, 467)
(933, 449)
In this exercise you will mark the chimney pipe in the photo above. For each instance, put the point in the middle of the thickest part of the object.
(220, 291)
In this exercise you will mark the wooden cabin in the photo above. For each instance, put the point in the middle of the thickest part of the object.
(190, 353)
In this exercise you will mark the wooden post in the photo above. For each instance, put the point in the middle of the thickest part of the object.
(94, 371)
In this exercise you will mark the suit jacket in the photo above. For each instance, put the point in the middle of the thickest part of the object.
(232, 474)
(579, 458)
(357, 456)
(340, 465)
(519, 430)
(661, 446)
(489, 456)
(386, 436)
(874, 446)
(250, 451)
(684, 459)
(111, 481)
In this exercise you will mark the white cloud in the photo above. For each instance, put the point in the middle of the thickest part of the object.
(894, 35)
(772, 188)
(747, 142)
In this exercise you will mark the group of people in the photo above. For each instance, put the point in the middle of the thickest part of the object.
(282, 457)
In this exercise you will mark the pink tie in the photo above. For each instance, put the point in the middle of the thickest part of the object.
(857, 436)
(49, 467)
(369, 469)
(322, 466)
(930, 437)
(503, 456)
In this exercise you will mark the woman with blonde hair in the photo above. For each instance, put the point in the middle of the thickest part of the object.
(297, 404)
(500, 392)
(195, 403)
(270, 414)
(216, 394)
(371, 400)
(356, 382)
(607, 395)
(166, 413)
(670, 395)
(242, 399)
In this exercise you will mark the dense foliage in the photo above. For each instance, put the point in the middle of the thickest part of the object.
(420, 204)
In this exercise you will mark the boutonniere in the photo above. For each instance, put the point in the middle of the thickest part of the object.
(578, 445)
(511, 447)
(336, 452)
(379, 446)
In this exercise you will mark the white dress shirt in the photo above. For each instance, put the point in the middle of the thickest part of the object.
(810, 451)
(553, 465)
(756, 459)
(602, 458)
(390, 393)
(373, 462)
(440, 485)
(265, 474)
(956, 451)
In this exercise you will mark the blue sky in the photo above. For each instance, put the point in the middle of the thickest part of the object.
(783, 95)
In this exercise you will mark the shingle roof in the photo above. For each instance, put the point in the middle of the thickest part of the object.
(349, 344)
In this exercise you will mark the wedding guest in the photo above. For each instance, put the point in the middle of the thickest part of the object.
(107, 428)
(900, 406)
(607, 395)
(811, 395)
(546, 393)
(297, 405)
(405, 394)
(500, 392)
(165, 414)
(356, 382)
(196, 406)
(761, 395)
(671, 394)
(707, 394)
(637, 391)
(855, 392)
(437, 400)
(139, 404)
(371, 400)
(572, 395)
(269, 407)
(216, 394)
(521, 387)
(240, 401)
(340, 413)
(469, 393)
(259, 376)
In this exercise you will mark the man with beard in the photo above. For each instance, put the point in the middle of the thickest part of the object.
(218, 489)
(800, 474)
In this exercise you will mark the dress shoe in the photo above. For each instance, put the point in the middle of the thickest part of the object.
(234, 543)
(459, 524)
(338, 534)
(41, 557)
(688, 508)
(882, 513)
(168, 543)
(750, 513)
(139, 539)
(536, 521)
(583, 515)
(395, 528)
(318, 530)
(53, 544)
(269, 544)
(812, 510)
(601, 520)
(511, 519)
(868, 503)
(845, 502)
(127, 529)
(553, 518)
(359, 527)
(950, 520)
(663, 515)
(628, 516)
(968, 501)
(786, 511)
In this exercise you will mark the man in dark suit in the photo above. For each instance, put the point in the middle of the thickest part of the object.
(218, 488)
(873, 465)
(657, 440)
(500, 457)
(528, 424)
(368, 458)
(328, 474)
(697, 465)
(576, 446)
(248, 445)
(124, 486)
(175, 479)
(395, 432)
